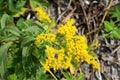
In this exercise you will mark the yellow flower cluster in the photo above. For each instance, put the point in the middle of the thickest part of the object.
(45, 38)
(42, 15)
(77, 45)
(56, 59)
(67, 29)
(73, 48)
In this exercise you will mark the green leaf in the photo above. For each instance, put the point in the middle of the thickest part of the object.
(12, 6)
(3, 20)
(27, 40)
(80, 77)
(12, 77)
(35, 30)
(20, 22)
(93, 54)
(20, 3)
(3, 57)
(35, 3)
(67, 75)
(4, 49)
(14, 30)
(15, 7)
(25, 51)
(1, 3)
(40, 75)
(2, 69)
(36, 52)
(115, 34)
(118, 29)
(115, 12)
(22, 11)
(7, 39)
(109, 26)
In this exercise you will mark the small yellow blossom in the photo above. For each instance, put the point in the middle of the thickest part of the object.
(67, 29)
(45, 38)
(77, 47)
(73, 48)
(42, 15)
(56, 59)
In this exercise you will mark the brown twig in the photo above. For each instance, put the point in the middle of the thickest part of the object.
(69, 15)
(108, 7)
(64, 11)
(86, 18)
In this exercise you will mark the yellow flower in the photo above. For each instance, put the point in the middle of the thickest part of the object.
(67, 29)
(45, 38)
(42, 15)
(56, 59)
(46, 66)
(75, 49)
(66, 64)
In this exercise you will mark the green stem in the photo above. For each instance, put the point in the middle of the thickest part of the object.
(52, 75)
(50, 72)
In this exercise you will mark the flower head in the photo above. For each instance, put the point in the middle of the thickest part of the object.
(42, 15)
(45, 38)
(56, 59)
(67, 29)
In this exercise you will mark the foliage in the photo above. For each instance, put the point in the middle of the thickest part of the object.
(33, 49)
(69, 76)
(112, 27)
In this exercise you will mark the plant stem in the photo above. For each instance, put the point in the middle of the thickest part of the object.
(52, 75)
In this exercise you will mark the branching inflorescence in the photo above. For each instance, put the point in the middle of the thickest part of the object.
(66, 47)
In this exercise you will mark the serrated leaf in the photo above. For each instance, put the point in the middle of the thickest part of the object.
(115, 12)
(3, 20)
(115, 34)
(108, 26)
(118, 30)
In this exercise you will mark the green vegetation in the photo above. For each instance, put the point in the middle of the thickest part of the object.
(33, 49)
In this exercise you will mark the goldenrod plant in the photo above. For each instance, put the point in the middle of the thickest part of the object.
(33, 49)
